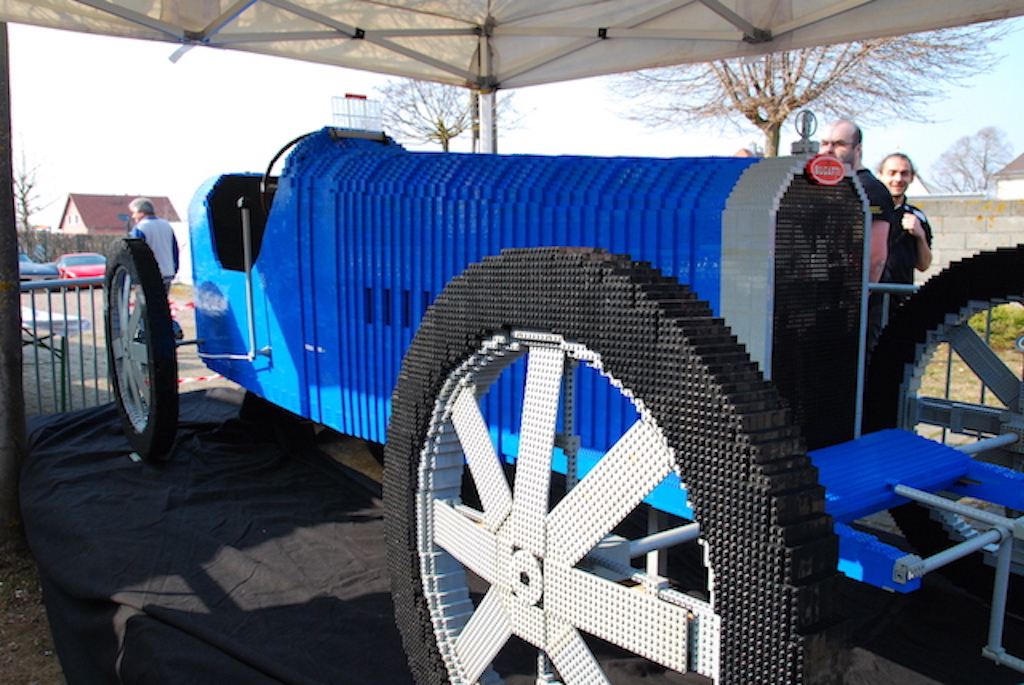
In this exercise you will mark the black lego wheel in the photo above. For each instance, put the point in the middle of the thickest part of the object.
(493, 561)
(933, 327)
(141, 351)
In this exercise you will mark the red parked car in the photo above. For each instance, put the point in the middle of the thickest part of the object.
(81, 265)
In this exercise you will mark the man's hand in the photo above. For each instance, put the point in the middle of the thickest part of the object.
(912, 225)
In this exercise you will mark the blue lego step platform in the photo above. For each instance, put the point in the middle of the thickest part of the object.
(860, 477)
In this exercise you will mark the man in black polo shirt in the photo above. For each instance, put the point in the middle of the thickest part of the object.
(910, 239)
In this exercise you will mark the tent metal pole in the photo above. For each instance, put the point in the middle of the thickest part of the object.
(488, 144)
(486, 92)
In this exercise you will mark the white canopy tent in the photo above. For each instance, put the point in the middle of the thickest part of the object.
(488, 44)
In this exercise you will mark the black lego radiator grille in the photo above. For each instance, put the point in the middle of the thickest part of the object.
(818, 267)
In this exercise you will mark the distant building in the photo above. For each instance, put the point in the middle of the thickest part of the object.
(752, 151)
(106, 214)
(1010, 180)
(919, 187)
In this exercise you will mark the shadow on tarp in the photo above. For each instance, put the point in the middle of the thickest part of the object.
(230, 562)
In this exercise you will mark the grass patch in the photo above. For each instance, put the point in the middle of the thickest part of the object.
(1005, 327)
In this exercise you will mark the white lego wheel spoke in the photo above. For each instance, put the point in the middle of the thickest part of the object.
(626, 474)
(631, 617)
(483, 461)
(130, 351)
(987, 366)
(135, 378)
(545, 365)
(483, 636)
(466, 540)
(572, 657)
(137, 352)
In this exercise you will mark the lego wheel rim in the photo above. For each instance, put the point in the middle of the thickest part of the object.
(141, 349)
(988, 386)
(541, 567)
(737, 454)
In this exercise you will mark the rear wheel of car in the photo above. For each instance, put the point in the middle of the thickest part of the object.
(980, 396)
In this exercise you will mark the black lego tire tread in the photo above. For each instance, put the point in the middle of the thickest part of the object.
(984, 277)
(751, 487)
(134, 257)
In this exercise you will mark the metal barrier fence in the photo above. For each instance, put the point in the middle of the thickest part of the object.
(63, 345)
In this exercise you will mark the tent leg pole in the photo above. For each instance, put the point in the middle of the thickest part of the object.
(488, 141)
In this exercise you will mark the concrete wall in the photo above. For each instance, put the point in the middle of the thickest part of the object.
(963, 227)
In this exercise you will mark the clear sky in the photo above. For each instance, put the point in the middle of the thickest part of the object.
(115, 116)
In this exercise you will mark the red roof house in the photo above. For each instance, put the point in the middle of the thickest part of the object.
(106, 214)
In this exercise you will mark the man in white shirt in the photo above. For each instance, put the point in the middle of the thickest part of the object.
(159, 235)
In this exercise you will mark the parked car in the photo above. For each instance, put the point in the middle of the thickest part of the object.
(81, 265)
(31, 270)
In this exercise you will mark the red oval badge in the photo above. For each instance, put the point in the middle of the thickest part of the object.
(825, 169)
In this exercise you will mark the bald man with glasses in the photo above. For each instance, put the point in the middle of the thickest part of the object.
(844, 140)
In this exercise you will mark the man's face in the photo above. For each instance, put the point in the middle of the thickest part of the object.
(838, 141)
(897, 175)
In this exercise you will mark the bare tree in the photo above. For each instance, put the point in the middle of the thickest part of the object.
(969, 163)
(27, 200)
(427, 112)
(870, 80)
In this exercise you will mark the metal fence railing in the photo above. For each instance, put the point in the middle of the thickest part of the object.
(63, 345)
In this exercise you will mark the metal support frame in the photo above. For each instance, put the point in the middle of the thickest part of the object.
(1003, 533)
(1004, 440)
(663, 540)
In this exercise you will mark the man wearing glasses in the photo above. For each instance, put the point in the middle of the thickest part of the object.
(844, 140)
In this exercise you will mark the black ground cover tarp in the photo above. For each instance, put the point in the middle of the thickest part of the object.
(238, 560)
(231, 562)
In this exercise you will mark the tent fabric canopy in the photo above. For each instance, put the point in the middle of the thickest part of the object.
(488, 44)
